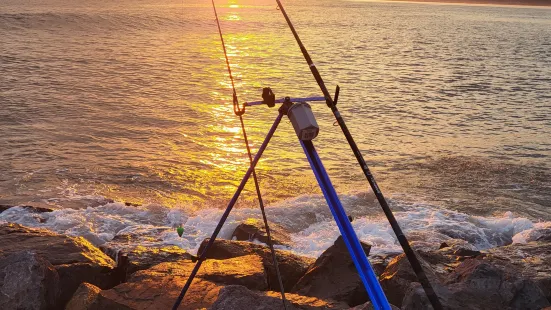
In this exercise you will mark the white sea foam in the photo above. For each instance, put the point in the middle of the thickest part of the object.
(306, 217)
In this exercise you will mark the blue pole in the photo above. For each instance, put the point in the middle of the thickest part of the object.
(227, 212)
(369, 279)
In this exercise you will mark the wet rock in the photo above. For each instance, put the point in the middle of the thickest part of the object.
(545, 236)
(240, 298)
(475, 237)
(253, 229)
(28, 208)
(140, 234)
(291, 266)
(457, 244)
(465, 252)
(399, 274)
(86, 297)
(74, 259)
(478, 285)
(138, 257)
(27, 281)
(420, 240)
(529, 260)
(542, 234)
(137, 248)
(334, 276)
(460, 248)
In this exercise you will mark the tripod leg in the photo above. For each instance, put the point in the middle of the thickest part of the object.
(227, 212)
(352, 242)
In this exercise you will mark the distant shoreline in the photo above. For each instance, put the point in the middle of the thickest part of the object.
(546, 3)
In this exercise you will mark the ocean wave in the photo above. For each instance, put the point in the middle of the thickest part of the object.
(306, 217)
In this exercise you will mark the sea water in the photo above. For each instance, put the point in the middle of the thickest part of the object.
(103, 103)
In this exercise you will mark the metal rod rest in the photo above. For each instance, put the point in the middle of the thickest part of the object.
(295, 100)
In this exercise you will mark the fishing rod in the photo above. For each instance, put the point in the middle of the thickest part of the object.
(238, 111)
(412, 258)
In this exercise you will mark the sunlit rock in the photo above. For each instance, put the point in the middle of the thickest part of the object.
(159, 286)
(291, 266)
(74, 259)
(253, 229)
(244, 270)
(86, 297)
(240, 298)
(137, 257)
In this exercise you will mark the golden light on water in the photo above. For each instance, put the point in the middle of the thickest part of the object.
(215, 153)
(232, 17)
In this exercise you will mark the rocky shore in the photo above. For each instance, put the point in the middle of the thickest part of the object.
(44, 270)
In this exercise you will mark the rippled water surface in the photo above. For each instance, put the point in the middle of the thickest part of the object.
(130, 100)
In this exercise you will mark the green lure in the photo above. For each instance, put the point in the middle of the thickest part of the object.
(180, 231)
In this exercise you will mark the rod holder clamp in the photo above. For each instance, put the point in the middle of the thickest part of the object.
(285, 106)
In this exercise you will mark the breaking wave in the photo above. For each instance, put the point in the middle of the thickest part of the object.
(306, 217)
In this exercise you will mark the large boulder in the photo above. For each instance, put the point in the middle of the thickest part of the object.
(28, 281)
(138, 247)
(32, 209)
(334, 276)
(74, 259)
(237, 297)
(399, 274)
(253, 229)
(475, 284)
(244, 270)
(137, 257)
(291, 266)
(159, 286)
(530, 260)
(157, 293)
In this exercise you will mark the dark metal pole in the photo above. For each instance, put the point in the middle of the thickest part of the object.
(203, 255)
(413, 260)
(264, 218)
